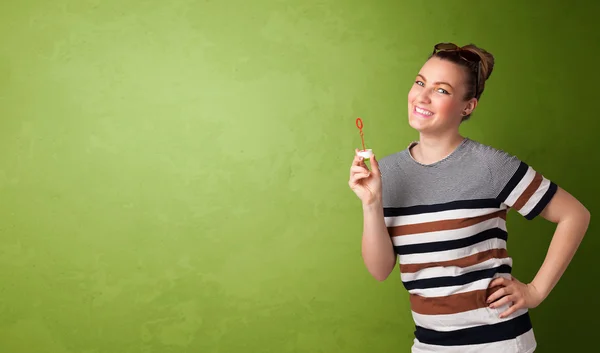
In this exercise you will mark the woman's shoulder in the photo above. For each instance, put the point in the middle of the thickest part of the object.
(395, 159)
(489, 155)
(496, 167)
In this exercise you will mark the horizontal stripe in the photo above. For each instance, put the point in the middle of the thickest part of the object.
(506, 330)
(526, 343)
(451, 244)
(495, 243)
(447, 224)
(466, 319)
(539, 207)
(440, 216)
(463, 279)
(528, 192)
(454, 271)
(462, 262)
(517, 183)
(451, 234)
(454, 205)
(534, 198)
(440, 292)
(451, 304)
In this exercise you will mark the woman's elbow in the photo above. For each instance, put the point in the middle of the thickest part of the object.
(381, 274)
(581, 214)
(586, 216)
(381, 277)
(578, 218)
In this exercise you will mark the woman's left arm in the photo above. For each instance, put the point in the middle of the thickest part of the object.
(572, 219)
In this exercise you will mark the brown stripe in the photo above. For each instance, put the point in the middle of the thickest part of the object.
(462, 262)
(531, 189)
(443, 225)
(452, 304)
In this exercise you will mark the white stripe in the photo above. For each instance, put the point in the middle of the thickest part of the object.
(440, 216)
(467, 319)
(453, 271)
(452, 234)
(463, 288)
(453, 254)
(535, 198)
(521, 186)
(524, 343)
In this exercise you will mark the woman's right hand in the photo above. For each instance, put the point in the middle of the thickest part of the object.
(365, 183)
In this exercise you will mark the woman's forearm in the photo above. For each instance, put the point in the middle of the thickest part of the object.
(377, 249)
(567, 237)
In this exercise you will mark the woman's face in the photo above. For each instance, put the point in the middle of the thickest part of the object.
(436, 100)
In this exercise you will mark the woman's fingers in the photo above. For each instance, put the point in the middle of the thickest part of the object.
(498, 294)
(375, 166)
(499, 281)
(505, 299)
(518, 304)
(358, 169)
(505, 289)
(358, 159)
(358, 175)
(355, 179)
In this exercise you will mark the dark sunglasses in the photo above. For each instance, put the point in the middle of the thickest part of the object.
(467, 55)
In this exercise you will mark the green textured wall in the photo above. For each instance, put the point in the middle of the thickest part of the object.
(173, 175)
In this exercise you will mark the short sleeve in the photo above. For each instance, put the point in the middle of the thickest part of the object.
(520, 186)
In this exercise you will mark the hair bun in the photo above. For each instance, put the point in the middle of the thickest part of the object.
(487, 60)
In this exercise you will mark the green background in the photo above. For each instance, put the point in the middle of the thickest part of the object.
(173, 175)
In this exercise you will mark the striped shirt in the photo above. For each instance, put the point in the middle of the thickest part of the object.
(447, 221)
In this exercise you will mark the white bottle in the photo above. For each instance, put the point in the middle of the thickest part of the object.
(366, 154)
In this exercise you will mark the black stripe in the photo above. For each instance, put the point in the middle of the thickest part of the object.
(512, 183)
(451, 244)
(454, 205)
(449, 281)
(543, 202)
(476, 335)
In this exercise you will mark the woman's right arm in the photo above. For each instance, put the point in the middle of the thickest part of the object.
(377, 248)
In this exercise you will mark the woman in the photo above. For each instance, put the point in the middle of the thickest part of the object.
(439, 207)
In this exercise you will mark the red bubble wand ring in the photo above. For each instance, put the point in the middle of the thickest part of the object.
(359, 125)
(365, 153)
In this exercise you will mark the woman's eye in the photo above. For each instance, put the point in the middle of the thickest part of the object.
(441, 90)
(420, 83)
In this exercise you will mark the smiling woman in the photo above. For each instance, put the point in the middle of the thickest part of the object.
(440, 206)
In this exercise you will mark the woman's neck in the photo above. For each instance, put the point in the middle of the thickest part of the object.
(432, 149)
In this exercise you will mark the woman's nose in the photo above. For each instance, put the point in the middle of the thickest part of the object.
(424, 96)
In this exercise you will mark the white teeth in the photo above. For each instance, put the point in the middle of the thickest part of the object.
(423, 111)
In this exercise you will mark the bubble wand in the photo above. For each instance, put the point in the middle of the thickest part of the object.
(365, 153)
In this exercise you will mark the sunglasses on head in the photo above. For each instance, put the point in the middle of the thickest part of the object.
(466, 55)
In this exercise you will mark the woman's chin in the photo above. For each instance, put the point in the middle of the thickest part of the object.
(418, 123)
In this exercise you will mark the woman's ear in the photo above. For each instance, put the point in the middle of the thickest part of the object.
(470, 106)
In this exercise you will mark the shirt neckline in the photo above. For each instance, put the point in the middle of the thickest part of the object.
(450, 155)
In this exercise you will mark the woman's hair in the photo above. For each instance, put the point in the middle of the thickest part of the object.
(485, 70)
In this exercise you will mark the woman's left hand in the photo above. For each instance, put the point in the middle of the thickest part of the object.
(521, 295)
